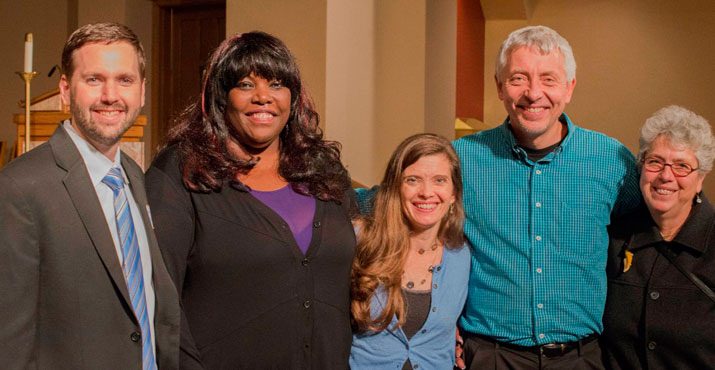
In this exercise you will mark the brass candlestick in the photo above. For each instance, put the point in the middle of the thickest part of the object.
(27, 77)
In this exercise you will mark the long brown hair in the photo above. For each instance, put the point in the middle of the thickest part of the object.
(384, 238)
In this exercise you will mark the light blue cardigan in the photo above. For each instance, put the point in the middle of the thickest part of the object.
(432, 347)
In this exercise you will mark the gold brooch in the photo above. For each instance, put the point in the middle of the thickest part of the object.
(627, 261)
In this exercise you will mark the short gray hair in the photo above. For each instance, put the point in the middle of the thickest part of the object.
(545, 39)
(681, 127)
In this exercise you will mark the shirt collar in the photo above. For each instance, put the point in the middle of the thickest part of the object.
(511, 142)
(695, 233)
(98, 165)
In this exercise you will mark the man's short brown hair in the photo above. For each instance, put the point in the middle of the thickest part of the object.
(106, 33)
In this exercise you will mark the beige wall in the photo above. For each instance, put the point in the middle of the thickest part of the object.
(375, 80)
(633, 57)
(441, 67)
(349, 84)
(400, 27)
(405, 75)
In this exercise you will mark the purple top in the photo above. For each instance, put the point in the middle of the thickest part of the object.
(295, 209)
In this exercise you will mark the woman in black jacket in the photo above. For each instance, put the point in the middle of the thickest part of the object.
(252, 211)
(660, 311)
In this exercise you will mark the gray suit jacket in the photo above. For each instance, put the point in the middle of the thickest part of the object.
(64, 303)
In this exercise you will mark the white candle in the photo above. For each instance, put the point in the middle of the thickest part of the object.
(28, 52)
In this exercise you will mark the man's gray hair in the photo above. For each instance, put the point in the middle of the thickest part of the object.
(545, 39)
(682, 128)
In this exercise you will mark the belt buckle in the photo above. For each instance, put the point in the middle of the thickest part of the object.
(553, 349)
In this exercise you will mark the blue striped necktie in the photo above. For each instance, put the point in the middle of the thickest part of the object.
(132, 264)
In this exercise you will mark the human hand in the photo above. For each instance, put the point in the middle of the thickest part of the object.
(459, 352)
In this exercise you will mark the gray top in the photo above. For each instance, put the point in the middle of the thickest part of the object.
(418, 303)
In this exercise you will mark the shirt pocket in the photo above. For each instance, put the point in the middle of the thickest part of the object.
(582, 231)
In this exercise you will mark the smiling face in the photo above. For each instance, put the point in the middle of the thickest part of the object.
(105, 93)
(427, 191)
(665, 195)
(535, 92)
(258, 109)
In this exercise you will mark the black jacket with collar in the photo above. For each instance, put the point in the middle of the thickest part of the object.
(655, 317)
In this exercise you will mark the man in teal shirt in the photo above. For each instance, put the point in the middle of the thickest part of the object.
(539, 193)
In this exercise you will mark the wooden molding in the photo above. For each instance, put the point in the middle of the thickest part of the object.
(179, 3)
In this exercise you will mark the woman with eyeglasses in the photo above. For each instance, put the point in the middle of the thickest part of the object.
(660, 311)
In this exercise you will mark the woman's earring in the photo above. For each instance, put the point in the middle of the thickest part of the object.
(698, 200)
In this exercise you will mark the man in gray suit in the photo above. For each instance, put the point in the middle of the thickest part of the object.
(82, 282)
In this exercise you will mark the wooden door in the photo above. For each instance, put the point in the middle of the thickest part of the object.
(185, 33)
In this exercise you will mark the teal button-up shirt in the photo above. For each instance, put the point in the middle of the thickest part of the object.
(538, 232)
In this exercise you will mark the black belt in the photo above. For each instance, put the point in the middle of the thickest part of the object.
(547, 350)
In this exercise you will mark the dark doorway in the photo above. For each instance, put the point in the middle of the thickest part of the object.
(185, 33)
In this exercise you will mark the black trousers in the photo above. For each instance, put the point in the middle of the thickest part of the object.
(483, 353)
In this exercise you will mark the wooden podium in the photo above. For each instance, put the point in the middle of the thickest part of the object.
(44, 121)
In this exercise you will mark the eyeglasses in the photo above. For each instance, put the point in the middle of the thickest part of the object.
(680, 169)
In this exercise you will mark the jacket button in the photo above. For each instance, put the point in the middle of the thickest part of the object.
(306, 304)
(651, 345)
(305, 262)
(135, 337)
(316, 224)
(654, 295)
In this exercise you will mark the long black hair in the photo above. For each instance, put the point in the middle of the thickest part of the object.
(310, 164)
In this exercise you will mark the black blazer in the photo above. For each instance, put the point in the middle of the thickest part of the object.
(64, 301)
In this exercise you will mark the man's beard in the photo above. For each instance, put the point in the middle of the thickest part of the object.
(92, 129)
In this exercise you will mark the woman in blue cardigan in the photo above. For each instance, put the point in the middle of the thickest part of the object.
(410, 272)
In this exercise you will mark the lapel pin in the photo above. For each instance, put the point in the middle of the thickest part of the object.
(627, 261)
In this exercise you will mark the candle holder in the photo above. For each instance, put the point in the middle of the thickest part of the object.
(27, 77)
